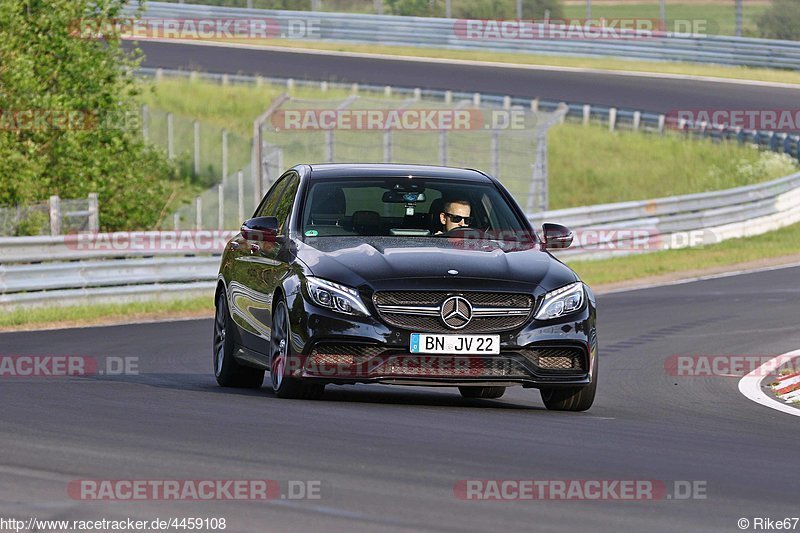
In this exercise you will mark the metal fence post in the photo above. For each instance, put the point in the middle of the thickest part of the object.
(448, 9)
(240, 195)
(224, 156)
(387, 146)
(55, 215)
(196, 148)
(443, 147)
(519, 9)
(198, 213)
(329, 155)
(495, 149)
(170, 136)
(221, 206)
(94, 213)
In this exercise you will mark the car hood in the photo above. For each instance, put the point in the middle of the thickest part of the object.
(355, 261)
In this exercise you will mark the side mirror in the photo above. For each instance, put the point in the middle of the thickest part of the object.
(556, 236)
(260, 229)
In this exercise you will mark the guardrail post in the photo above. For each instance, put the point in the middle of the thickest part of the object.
(196, 148)
(170, 136)
(240, 195)
(563, 117)
(448, 97)
(225, 80)
(612, 119)
(476, 99)
(94, 213)
(506, 102)
(587, 114)
(198, 213)
(290, 85)
(145, 123)
(354, 88)
(159, 74)
(323, 86)
(55, 215)
(259, 81)
(637, 120)
(417, 94)
(387, 91)
(443, 147)
(662, 119)
(221, 206)
(535, 105)
(224, 156)
(387, 146)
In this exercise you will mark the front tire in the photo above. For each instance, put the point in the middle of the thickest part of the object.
(571, 398)
(283, 385)
(487, 393)
(227, 370)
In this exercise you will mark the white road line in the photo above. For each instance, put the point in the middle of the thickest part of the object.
(750, 385)
(470, 62)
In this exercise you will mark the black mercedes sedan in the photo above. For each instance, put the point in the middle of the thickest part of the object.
(404, 275)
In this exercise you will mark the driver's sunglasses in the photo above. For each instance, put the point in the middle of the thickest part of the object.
(456, 219)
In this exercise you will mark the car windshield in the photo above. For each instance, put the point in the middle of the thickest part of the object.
(403, 207)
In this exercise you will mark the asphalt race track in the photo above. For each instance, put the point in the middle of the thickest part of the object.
(643, 93)
(388, 457)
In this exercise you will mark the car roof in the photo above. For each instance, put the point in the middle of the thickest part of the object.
(367, 170)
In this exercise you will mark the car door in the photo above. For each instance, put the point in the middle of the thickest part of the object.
(260, 267)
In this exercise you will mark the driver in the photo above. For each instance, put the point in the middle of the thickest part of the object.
(456, 214)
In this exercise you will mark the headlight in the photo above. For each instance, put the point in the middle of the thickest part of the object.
(337, 297)
(561, 302)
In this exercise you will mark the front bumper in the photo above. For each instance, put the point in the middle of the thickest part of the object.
(334, 348)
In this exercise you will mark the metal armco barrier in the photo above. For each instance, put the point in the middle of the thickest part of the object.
(450, 34)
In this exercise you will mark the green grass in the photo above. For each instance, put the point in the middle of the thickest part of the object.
(104, 312)
(588, 165)
(778, 243)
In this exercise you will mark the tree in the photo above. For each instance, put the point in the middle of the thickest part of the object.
(781, 20)
(68, 112)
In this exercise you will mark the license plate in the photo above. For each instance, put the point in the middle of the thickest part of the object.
(455, 344)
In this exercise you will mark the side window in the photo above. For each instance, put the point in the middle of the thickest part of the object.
(267, 207)
(286, 201)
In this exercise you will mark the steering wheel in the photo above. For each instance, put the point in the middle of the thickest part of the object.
(465, 232)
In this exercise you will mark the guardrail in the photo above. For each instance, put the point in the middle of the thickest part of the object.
(449, 34)
(75, 268)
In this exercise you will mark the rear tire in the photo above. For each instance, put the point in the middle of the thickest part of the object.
(571, 398)
(487, 393)
(283, 385)
(227, 370)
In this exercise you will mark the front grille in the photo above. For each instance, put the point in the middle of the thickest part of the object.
(452, 367)
(506, 311)
(562, 358)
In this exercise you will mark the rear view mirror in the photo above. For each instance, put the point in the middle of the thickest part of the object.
(556, 236)
(403, 197)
